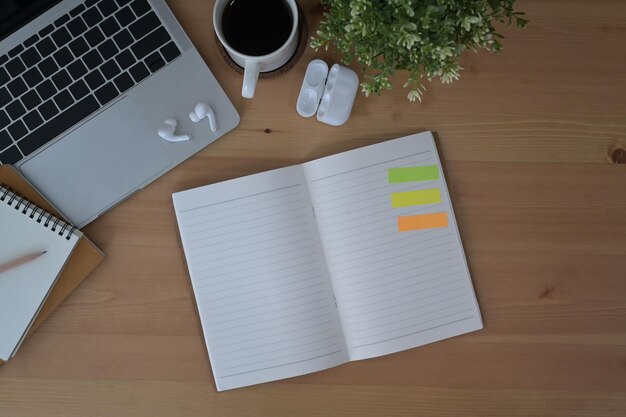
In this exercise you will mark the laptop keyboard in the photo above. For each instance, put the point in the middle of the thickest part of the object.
(73, 67)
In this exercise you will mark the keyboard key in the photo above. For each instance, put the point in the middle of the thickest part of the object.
(94, 36)
(33, 120)
(123, 39)
(17, 130)
(31, 41)
(46, 89)
(92, 59)
(4, 119)
(31, 99)
(94, 79)
(15, 110)
(125, 59)
(4, 76)
(107, 49)
(63, 56)
(78, 47)
(15, 67)
(106, 93)
(125, 16)
(92, 17)
(79, 89)
(77, 26)
(16, 51)
(46, 30)
(139, 71)
(5, 139)
(17, 87)
(58, 125)
(61, 37)
(150, 43)
(63, 100)
(48, 109)
(170, 52)
(30, 57)
(123, 82)
(145, 25)
(107, 7)
(61, 79)
(109, 26)
(90, 3)
(140, 7)
(62, 20)
(110, 69)
(77, 10)
(45, 47)
(154, 62)
(77, 69)
(5, 97)
(10, 155)
(32, 77)
(3, 58)
(48, 67)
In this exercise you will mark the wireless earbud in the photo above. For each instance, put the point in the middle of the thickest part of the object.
(167, 132)
(201, 111)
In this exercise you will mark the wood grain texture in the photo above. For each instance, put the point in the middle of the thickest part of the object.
(525, 139)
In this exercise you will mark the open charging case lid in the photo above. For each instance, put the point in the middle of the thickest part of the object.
(330, 94)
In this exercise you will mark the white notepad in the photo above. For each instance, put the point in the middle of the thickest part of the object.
(26, 229)
(347, 257)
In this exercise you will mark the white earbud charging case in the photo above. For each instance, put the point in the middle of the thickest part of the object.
(330, 94)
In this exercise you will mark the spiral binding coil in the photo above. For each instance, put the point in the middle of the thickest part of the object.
(15, 200)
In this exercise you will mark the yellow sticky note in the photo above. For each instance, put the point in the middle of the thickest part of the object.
(416, 198)
(422, 221)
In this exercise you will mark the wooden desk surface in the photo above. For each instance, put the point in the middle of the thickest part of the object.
(525, 138)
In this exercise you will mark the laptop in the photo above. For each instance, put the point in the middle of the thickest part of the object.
(84, 88)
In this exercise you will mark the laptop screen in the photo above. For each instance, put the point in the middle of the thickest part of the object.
(16, 13)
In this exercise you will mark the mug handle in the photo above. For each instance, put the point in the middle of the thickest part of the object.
(250, 77)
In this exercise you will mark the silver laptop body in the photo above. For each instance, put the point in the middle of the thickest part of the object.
(113, 149)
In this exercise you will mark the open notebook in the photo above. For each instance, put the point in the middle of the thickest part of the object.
(26, 229)
(347, 257)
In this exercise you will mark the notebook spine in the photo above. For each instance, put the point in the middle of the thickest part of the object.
(13, 199)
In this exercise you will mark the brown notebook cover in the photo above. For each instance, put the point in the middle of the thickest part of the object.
(86, 256)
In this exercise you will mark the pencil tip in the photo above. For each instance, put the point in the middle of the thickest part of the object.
(44, 252)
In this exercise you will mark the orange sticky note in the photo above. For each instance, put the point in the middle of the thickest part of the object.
(422, 221)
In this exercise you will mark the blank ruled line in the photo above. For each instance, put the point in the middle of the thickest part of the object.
(369, 166)
(240, 198)
(263, 298)
(412, 301)
(240, 221)
(397, 314)
(211, 284)
(388, 283)
(417, 332)
(399, 254)
(258, 290)
(243, 213)
(291, 332)
(249, 237)
(266, 256)
(387, 186)
(404, 294)
(270, 312)
(238, 358)
(388, 209)
(386, 325)
(281, 365)
(291, 242)
(257, 266)
(327, 241)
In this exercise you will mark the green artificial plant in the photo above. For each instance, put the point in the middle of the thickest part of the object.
(423, 37)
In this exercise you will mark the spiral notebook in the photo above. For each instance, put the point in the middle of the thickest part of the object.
(26, 229)
(348, 257)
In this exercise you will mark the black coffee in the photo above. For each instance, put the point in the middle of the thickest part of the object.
(256, 27)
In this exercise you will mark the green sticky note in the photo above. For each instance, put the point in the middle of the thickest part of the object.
(416, 198)
(407, 174)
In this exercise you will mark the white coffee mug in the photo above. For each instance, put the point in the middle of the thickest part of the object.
(253, 65)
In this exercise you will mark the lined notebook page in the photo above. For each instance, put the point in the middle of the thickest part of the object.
(260, 279)
(395, 290)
